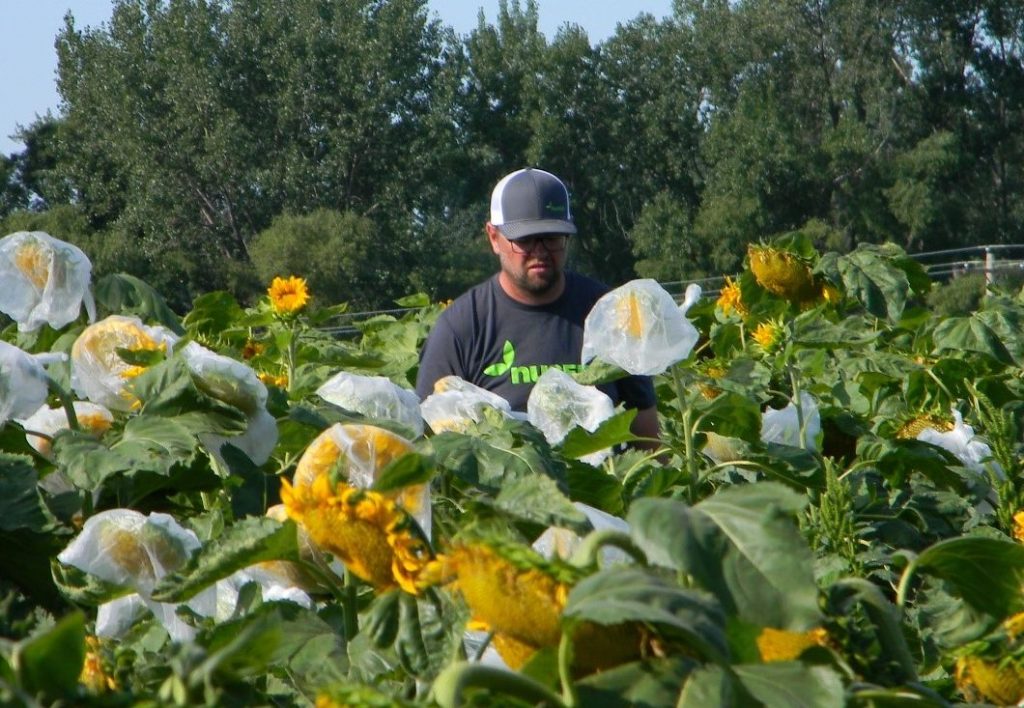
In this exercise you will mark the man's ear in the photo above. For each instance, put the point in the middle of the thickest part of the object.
(494, 236)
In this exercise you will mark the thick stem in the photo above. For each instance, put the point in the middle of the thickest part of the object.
(565, 648)
(453, 682)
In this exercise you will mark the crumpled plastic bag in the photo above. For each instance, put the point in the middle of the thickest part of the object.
(98, 373)
(561, 542)
(972, 452)
(557, 404)
(128, 549)
(359, 452)
(456, 404)
(92, 418)
(375, 397)
(782, 426)
(639, 328)
(46, 281)
(236, 384)
(23, 383)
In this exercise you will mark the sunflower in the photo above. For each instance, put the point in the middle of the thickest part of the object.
(731, 299)
(783, 645)
(1018, 526)
(990, 680)
(783, 274)
(631, 315)
(913, 426)
(373, 537)
(92, 418)
(269, 379)
(288, 295)
(511, 590)
(769, 335)
(34, 261)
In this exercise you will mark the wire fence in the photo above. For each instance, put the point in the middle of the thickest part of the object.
(939, 265)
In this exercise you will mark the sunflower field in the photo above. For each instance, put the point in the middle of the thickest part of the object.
(235, 507)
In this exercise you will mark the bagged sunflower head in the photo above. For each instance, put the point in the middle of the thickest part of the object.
(23, 383)
(375, 397)
(783, 426)
(92, 418)
(557, 404)
(456, 404)
(97, 370)
(46, 281)
(639, 328)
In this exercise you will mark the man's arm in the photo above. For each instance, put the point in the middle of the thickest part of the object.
(645, 425)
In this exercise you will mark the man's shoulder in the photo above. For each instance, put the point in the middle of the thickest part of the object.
(470, 304)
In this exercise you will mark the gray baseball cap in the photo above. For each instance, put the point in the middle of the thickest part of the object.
(530, 202)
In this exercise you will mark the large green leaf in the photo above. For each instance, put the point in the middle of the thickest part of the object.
(985, 572)
(614, 431)
(730, 414)
(21, 507)
(741, 545)
(249, 541)
(50, 663)
(168, 390)
(973, 333)
(120, 293)
(213, 314)
(539, 499)
(791, 684)
(869, 275)
(642, 683)
(624, 594)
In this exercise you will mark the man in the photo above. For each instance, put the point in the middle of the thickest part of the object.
(503, 333)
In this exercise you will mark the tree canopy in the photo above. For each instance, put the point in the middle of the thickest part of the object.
(189, 128)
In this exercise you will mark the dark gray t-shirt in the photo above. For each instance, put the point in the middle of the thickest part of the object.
(502, 345)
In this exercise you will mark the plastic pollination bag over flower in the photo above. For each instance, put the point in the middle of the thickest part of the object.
(783, 425)
(130, 550)
(456, 404)
(92, 418)
(99, 373)
(23, 383)
(557, 404)
(639, 328)
(358, 454)
(236, 384)
(972, 452)
(375, 397)
(562, 543)
(46, 280)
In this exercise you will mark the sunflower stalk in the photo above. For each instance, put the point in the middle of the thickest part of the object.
(450, 687)
(66, 402)
(565, 654)
(588, 552)
(349, 605)
(692, 473)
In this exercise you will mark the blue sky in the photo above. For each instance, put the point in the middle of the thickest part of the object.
(28, 62)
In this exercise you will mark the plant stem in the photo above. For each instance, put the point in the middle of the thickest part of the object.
(569, 697)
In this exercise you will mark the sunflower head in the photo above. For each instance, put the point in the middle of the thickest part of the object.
(783, 274)
(990, 680)
(95, 676)
(912, 426)
(769, 335)
(35, 260)
(731, 299)
(278, 381)
(511, 589)
(783, 645)
(1018, 526)
(288, 295)
(630, 315)
(374, 538)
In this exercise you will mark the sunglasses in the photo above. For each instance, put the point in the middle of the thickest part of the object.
(553, 243)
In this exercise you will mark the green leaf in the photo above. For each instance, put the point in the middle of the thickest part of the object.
(624, 594)
(21, 507)
(614, 431)
(414, 300)
(599, 372)
(741, 545)
(213, 314)
(409, 469)
(121, 293)
(51, 662)
(985, 572)
(539, 499)
(641, 683)
(709, 685)
(971, 334)
(84, 588)
(791, 684)
(251, 540)
(140, 357)
(730, 414)
(870, 275)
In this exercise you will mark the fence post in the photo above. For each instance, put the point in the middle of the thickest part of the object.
(990, 267)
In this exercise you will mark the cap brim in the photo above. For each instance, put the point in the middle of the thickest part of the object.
(522, 229)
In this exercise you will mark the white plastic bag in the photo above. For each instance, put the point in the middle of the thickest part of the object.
(456, 404)
(639, 328)
(972, 452)
(46, 281)
(783, 426)
(557, 404)
(92, 417)
(23, 383)
(375, 397)
(562, 543)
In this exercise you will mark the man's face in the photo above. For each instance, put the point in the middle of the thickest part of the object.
(532, 265)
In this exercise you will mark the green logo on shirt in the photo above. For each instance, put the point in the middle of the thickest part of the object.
(524, 374)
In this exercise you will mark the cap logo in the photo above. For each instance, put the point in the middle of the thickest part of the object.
(551, 206)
